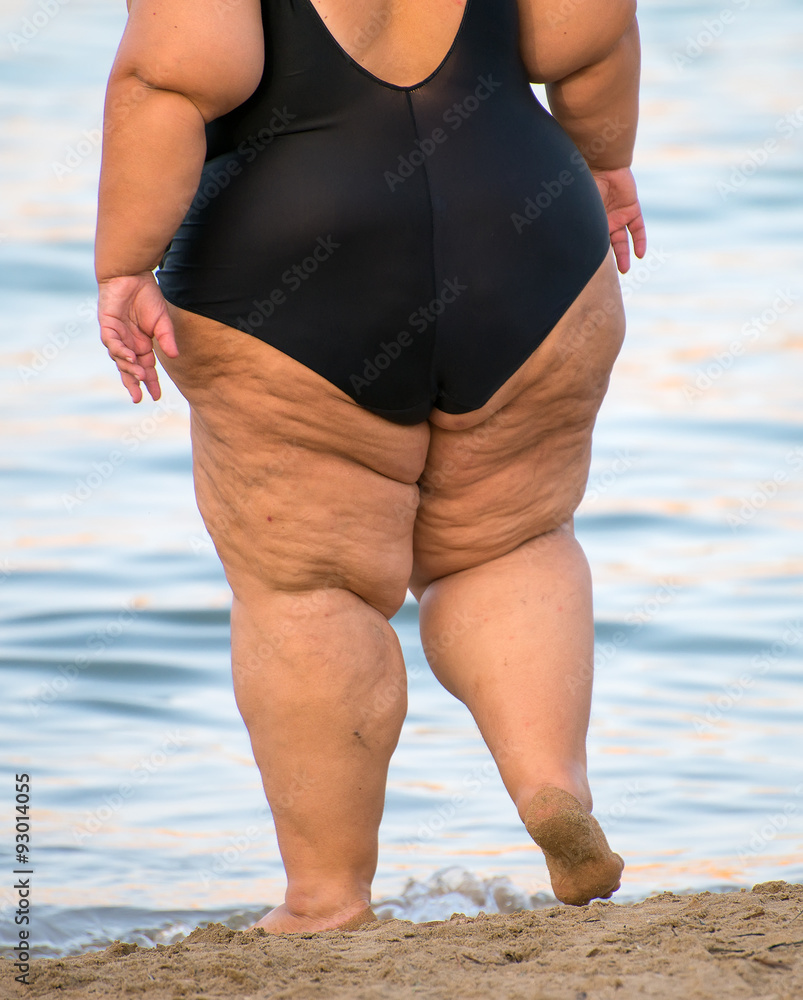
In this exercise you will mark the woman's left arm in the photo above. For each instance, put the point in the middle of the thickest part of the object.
(179, 65)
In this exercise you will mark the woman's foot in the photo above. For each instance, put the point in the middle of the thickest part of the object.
(280, 920)
(581, 865)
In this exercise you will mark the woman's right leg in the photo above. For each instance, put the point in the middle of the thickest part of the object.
(310, 501)
(504, 587)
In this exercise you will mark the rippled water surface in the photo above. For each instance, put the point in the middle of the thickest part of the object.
(147, 810)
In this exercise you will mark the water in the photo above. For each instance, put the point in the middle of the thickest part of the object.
(148, 814)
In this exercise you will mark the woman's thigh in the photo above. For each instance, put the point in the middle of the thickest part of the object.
(299, 487)
(518, 467)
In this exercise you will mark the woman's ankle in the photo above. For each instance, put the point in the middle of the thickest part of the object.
(575, 786)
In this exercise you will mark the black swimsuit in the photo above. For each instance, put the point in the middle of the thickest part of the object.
(413, 245)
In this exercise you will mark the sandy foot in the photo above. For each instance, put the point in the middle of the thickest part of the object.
(581, 865)
(280, 921)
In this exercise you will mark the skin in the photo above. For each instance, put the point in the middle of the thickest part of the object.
(301, 489)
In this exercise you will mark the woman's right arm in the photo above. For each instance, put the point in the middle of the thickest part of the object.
(180, 64)
(587, 53)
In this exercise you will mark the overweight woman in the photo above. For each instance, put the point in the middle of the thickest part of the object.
(386, 284)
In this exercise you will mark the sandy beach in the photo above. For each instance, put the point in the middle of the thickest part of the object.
(709, 945)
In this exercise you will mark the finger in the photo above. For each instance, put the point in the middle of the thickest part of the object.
(136, 371)
(118, 351)
(118, 335)
(128, 350)
(165, 337)
(621, 249)
(146, 358)
(122, 356)
(132, 384)
(152, 383)
(638, 232)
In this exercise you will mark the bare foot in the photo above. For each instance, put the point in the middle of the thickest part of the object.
(581, 865)
(280, 920)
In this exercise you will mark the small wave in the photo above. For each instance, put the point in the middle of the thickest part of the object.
(455, 890)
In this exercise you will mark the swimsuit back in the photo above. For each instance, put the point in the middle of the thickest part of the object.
(413, 245)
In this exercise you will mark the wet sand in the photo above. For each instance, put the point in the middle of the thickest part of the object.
(709, 945)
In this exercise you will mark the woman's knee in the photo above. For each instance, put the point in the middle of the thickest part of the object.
(309, 648)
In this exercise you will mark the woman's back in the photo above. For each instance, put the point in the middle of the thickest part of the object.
(400, 42)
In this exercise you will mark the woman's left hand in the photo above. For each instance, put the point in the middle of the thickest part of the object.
(620, 198)
(133, 313)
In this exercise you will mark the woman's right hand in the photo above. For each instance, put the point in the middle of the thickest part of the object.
(620, 198)
(132, 314)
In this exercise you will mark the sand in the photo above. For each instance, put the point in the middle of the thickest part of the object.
(709, 945)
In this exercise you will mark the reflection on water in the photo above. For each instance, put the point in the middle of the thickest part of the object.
(148, 812)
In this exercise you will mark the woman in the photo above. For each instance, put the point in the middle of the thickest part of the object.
(390, 299)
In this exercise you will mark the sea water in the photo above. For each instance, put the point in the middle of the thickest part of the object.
(147, 812)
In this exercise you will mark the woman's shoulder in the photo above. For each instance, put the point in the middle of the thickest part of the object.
(212, 51)
(558, 37)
